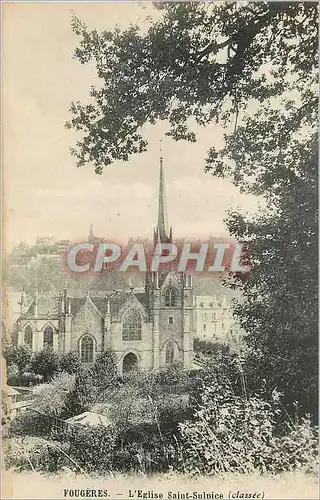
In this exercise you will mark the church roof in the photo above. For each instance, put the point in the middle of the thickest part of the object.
(46, 305)
(209, 285)
(111, 279)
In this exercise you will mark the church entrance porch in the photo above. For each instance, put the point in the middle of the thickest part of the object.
(130, 363)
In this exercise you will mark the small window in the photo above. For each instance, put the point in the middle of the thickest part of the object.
(204, 316)
(210, 304)
(204, 327)
(171, 297)
(201, 304)
(222, 326)
(48, 337)
(169, 353)
(28, 335)
(214, 317)
(170, 320)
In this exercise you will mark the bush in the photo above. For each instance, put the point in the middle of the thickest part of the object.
(297, 450)
(208, 348)
(13, 375)
(104, 374)
(232, 433)
(17, 355)
(30, 423)
(52, 398)
(92, 448)
(69, 363)
(25, 453)
(82, 395)
(143, 448)
(45, 363)
(29, 379)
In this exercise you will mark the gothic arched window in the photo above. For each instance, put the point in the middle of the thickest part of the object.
(48, 336)
(169, 353)
(87, 349)
(170, 298)
(131, 325)
(28, 336)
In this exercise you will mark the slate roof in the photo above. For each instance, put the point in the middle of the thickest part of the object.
(110, 280)
(116, 299)
(206, 284)
(47, 306)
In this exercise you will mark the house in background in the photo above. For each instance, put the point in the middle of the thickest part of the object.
(213, 320)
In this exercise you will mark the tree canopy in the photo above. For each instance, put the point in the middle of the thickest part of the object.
(248, 66)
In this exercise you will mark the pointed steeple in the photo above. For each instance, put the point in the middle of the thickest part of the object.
(91, 237)
(162, 233)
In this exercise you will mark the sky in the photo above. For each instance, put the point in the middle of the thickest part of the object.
(44, 192)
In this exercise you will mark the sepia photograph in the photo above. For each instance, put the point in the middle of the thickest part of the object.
(160, 250)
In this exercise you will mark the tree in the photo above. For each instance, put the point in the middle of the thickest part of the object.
(69, 362)
(45, 363)
(17, 356)
(82, 396)
(200, 62)
(104, 373)
(280, 305)
(251, 68)
(51, 399)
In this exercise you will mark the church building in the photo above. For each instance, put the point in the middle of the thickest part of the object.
(147, 329)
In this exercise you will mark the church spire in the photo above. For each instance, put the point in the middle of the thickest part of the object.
(162, 234)
(91, 237)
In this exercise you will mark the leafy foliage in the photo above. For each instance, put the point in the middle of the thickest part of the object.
(104, 374)
(69, 362)
(17, 357)
(51, 399)
(207, 347)
(82, 395)
(231, 433)
(45, 363)
(198, 63)
(279, 310)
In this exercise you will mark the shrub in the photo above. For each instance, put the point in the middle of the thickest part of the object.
(232, 433)
(142, 448)
(104, 373)
(92, 448)
(297, 450)
(52, 398)
(13, 375)
(82, 395)
(18, 355)
(38, 453)
(45, 363)
(69, 363)
(30, 423)
(208, 348)
(29, 379)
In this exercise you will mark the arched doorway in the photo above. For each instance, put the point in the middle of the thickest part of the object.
(130, 363)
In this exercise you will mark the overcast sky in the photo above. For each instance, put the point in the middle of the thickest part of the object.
(45, 193)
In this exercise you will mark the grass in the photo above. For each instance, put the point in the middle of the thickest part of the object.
(288, 485)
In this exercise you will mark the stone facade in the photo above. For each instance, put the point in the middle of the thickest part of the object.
(214, 321)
